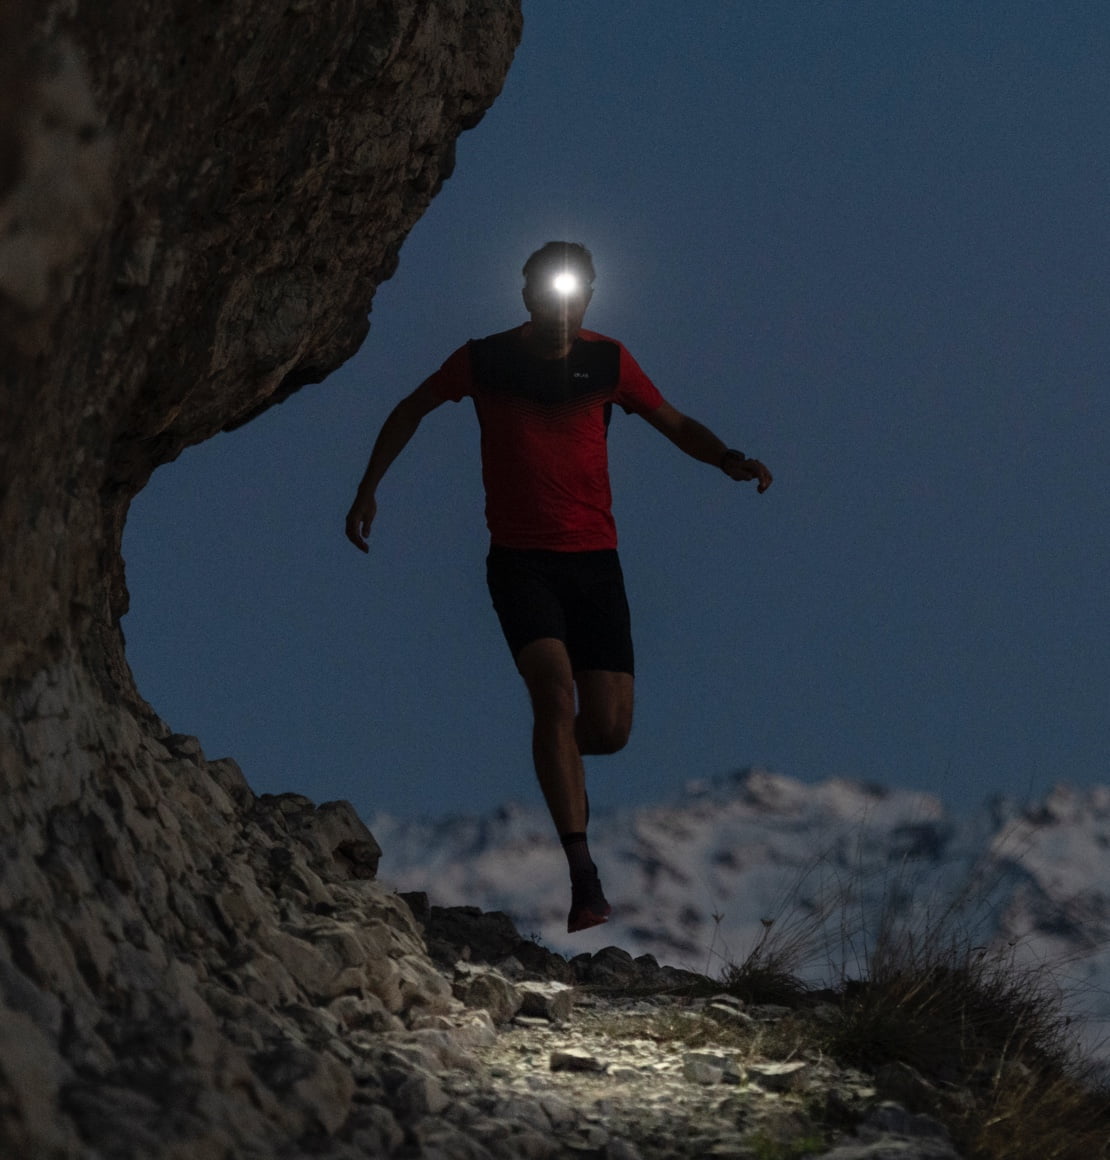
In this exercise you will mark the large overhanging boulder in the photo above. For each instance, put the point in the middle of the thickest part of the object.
(196, 204)
(197, 201)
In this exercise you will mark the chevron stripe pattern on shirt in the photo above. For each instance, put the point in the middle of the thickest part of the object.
(544, 424)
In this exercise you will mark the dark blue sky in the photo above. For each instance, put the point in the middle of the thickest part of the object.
(865, 241)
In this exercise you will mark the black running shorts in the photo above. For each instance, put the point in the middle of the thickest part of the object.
(576, 597)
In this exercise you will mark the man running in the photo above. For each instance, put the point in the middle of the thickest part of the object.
(544, 393)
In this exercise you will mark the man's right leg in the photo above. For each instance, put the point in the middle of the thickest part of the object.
(545, 666)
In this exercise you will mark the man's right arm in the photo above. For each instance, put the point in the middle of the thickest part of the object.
(397, 430)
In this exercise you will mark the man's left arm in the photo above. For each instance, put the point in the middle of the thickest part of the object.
(700, 443)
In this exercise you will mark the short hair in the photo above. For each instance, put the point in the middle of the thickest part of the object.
(560, 256)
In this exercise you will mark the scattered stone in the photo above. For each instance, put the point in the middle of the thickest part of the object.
(531, 1021)
(724, 999)
(489, 990)
(776, 1077)
(575, 1061)
(609, 966)
(728, 1014)
(551, 1001)
(701, 1067)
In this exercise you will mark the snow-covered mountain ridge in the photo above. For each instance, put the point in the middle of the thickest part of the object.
(695, 882)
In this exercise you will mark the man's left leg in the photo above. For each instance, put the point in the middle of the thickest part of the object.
(546, 669)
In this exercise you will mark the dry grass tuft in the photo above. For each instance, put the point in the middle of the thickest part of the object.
(769, 975)
(1038, 1116)
(990, 1041)
(945, 1024)
(948, 1026)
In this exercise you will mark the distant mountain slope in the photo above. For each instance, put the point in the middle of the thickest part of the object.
(694, 882)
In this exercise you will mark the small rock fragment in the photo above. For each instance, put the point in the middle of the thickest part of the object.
(575, 1061)
(776, 1077)
(551, 1001)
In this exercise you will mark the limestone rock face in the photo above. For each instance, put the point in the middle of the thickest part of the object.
(197, 201)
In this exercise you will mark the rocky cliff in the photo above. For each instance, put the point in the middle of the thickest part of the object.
(197, 201)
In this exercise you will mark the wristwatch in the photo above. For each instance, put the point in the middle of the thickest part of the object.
(727, 453)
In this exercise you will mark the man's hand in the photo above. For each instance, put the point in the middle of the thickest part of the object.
(359, 519)
(700, 443)
(736, 466)
(397, 430)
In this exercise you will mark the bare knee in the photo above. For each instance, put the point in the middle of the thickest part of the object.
(599, 738)
(552, 700)
(605, 703)
(546, 670)
(611, 741)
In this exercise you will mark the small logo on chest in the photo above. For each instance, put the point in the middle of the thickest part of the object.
(580, 375)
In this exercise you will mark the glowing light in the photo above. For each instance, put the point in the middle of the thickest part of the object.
(565, 283)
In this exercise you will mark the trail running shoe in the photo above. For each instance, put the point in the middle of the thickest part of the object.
(588, 906)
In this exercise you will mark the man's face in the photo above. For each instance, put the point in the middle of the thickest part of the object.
(556, 298)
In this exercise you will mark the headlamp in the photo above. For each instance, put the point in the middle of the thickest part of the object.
(566, 284)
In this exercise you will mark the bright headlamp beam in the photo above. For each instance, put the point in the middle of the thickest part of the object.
(565, 283)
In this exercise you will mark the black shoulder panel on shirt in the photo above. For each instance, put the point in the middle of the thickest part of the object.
(502, 366)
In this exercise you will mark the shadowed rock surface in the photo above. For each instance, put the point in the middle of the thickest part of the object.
(197, 202)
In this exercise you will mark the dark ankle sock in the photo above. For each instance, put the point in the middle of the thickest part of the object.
(578, 854)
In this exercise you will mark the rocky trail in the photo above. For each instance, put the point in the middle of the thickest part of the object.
(616, 1058)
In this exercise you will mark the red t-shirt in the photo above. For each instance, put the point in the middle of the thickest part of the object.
(544, 423)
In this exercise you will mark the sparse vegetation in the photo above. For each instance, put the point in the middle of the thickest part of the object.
(768, 976)
(983, 1044)
(945, 1025)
